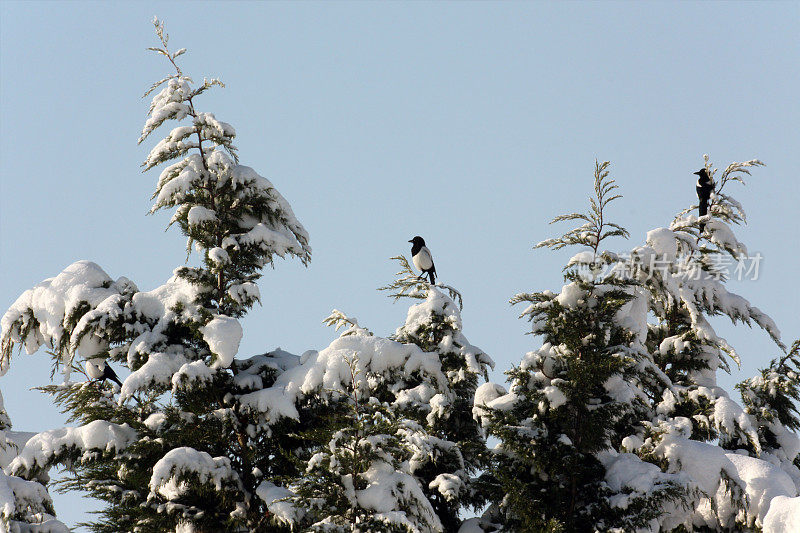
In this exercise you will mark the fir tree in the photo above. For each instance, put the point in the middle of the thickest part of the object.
(360, 479)
(694, 417)
(362, 450)
(25, 506)
(178, 450)
(434, 324)
(558, 465)
(616, 423)
(771, 399)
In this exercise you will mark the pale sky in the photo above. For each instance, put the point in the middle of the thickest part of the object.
(472, 124)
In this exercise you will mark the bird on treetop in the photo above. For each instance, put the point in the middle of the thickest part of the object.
(98, 369)
(422, 258)
(705, 186)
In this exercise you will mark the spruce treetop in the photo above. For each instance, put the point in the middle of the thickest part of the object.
(235, 218)
(722, 206)
(596, 228)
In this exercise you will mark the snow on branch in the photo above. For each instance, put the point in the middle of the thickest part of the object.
(25, 506)
(66, 444)
(339, 320)
(409, 285)
(171, 472)
(722, 206)
(328, 371)
(49, 313)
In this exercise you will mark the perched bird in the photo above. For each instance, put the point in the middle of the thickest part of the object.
(97, 368)
(704, 188)
(422, 258)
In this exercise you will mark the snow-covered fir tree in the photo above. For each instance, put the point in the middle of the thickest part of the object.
(615, 423)
(361, 446)
(360, 476)
(771, 400)
(434, 324)
(383, 448)
(25, 505)
(697, 423)
(176, 450)
(559, 464)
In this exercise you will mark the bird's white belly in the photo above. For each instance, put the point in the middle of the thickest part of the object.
(93, 371)
(423, 260)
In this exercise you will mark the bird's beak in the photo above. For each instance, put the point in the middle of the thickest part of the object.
(698, 172)
(412, 240)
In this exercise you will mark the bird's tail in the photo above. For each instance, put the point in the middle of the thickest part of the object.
(116, 380)
(703, 210)
(432, 274)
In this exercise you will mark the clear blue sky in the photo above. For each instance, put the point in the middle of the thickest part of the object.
(471, 124)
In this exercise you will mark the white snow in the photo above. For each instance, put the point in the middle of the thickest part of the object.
(783, 515)
(198, 215)
(633, 314)
(23, 503)
(155, 421)
(621, 390)
(280, 234)
(167, 104)
(249, 371)
(386, 488)
(156, 304)
(554, 396)
(664, 242)
(571, 295)
(471, 525)
(26, 498)
(279, 502)
(219, 256)
(437, 304)
(170, 147)
(276, 239)
(91, 345)
(484, 394)
(763, 482)
(157, 370)
(731, 419)
(211, 128)
(50, 303)
(97, 435)
(628, 471)
(705, 464)
(448, 485)
(581, 258)
(223, 334)
(170, 471)
(244, 291)
(190, 373)
(328, 370)
(722, 235)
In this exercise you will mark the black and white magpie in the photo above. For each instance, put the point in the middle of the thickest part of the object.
(704, 189)
(422, 258)
(97, 368)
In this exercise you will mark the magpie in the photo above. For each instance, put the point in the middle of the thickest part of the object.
(97, 368)
(704, 188)
(422, 258)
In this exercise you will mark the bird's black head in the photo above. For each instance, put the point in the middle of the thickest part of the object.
(703, 173)
(417, 241)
